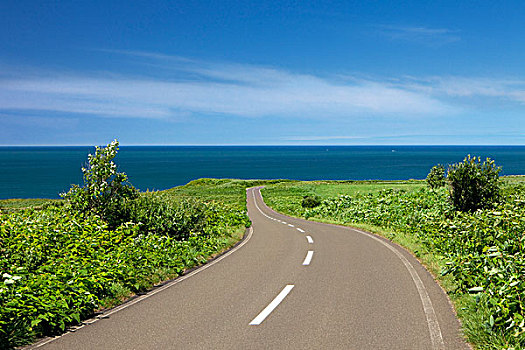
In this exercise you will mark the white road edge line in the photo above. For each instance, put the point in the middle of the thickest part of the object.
(433, 325)
(268, 309)
(300, 230)
(149, 294)
(259, 209)
(309, 239)
(308, 258)
(291, 225)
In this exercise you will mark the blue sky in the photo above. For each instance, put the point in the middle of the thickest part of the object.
(262, 72)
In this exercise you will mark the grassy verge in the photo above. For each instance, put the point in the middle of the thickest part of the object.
(25, 203)
(231, 192)
(477, 258)
(58, 267)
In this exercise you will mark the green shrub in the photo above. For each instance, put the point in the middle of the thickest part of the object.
(154, 214)
(58, 266)
(473, 185)
(436, 177)
(104, 188)
(310, 201)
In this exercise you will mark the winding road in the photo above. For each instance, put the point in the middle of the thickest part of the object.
(291, 284)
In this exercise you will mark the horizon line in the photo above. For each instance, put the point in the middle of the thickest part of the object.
(268, 145)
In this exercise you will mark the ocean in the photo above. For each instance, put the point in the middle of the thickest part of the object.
(44, 172)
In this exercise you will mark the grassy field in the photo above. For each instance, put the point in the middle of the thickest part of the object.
(230, 192)
(23, 203)
(477, 258)
(287, 196)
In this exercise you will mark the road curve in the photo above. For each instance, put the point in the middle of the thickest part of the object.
(293, 284)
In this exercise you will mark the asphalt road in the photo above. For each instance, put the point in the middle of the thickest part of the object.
(292, 284)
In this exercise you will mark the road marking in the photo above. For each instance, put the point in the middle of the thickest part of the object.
(268, 310)
(309, 239)
(433, 325)
(291, 225)
(308, 258)
(284, 222)
(300, 230)
(255, 202)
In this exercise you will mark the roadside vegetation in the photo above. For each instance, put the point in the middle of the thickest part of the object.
(25, 203)
(62, 261)
(468, 228)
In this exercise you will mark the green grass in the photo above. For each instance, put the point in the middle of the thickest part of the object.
(230, 192)
(287, 196)
(23, 203)
(514, 179)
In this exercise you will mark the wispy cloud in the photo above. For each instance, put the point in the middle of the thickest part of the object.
(44, 122)
(456, 138)
(421, 35)
(192, 87)
(179, 88)
(465, 88)
(322, 138)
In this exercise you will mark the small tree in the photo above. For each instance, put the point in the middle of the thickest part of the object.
(473, 185)
(104, 188)
(436, 177)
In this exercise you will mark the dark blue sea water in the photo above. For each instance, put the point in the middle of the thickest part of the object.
(31, 172)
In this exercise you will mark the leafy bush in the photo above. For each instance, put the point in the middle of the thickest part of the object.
(104, 188)
(473, 185)
(436, 177)
(57, 266)
(310, 201)
(155, 214)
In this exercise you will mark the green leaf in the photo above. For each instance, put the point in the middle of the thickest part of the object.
(76, 317)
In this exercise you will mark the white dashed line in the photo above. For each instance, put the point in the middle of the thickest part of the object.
(291, 225)
(268, 310)
(309, 239)
(308, 258)
(300, 230)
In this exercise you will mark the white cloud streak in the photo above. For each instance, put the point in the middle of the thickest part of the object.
(421, 35)
(473, 87)
(189, 87)
(322, 138)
